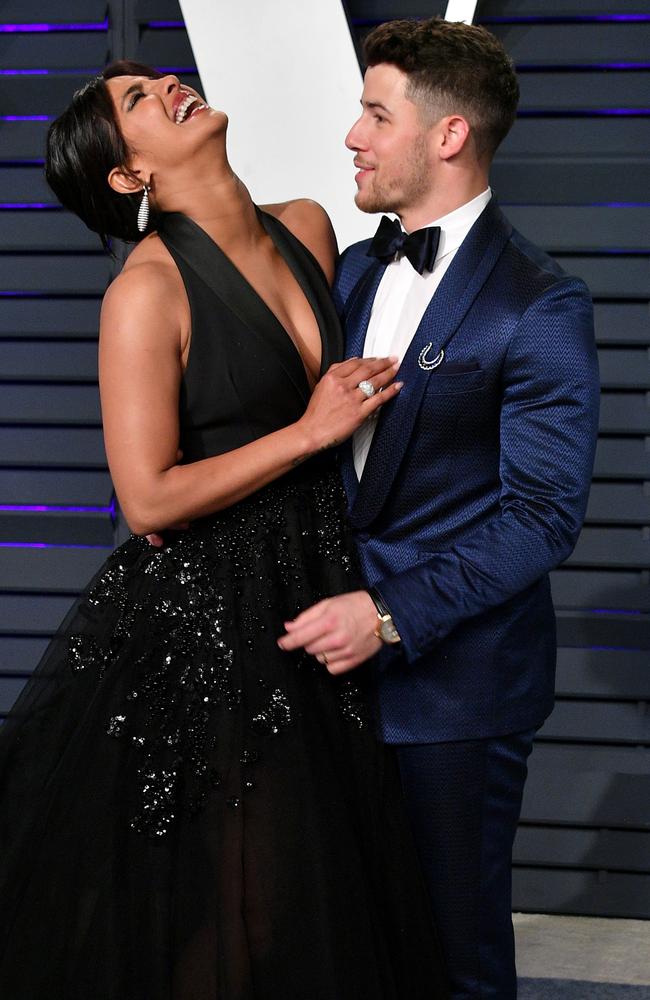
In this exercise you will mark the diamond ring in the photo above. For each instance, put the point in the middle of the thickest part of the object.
(367, 388)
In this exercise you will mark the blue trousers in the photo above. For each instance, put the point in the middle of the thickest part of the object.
(464, 800)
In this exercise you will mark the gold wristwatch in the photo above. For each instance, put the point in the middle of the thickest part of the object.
(385, 630)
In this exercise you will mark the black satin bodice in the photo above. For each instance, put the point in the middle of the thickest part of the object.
(244, 377)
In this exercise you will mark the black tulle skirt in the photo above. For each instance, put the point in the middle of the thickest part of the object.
(189, 813)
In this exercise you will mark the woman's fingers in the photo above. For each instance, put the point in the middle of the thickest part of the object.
(368, 369)
(360, 368)
(380, 398)
(380, 372)
(380, 379)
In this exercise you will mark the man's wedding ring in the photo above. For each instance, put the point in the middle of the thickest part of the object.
(367, 388)
(322, 658)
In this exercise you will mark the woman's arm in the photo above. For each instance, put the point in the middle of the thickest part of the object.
(140, 374)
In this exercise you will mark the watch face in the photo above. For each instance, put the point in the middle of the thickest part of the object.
(388, 631)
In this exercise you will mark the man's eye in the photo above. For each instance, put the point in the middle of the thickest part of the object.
(379, 118)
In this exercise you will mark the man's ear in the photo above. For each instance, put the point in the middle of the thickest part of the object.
(124, 181)
(455, 134)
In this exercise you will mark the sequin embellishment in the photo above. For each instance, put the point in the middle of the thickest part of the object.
(191, 658)
(276, 715)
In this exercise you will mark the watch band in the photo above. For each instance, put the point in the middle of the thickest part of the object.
(378, 601)
(385, 630)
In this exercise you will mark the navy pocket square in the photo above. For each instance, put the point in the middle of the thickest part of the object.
(456, 368)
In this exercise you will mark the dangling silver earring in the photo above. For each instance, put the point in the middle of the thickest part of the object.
(143, 211)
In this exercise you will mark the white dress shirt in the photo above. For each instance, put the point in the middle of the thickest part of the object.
(402, 299)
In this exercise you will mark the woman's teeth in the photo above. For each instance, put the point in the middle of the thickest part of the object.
(184, 107)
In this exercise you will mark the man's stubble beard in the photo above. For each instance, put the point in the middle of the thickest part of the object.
(402, 192)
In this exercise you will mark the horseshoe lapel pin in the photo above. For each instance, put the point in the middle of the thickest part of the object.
(429, 364)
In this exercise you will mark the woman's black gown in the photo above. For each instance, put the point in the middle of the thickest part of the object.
(187, 812)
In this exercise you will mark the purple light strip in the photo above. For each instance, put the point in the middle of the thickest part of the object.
(29, 294)
(370, 22)
(601, 252)
(579, 67)
(66, 71)
(81, 72)
(615, 611)
(42, 27)
(627, 649)
(50, 545)
(577, 204)
(25, 118)
(49, 508)
(567, 19)
(584, 113)
(165, 24)
(15, 206)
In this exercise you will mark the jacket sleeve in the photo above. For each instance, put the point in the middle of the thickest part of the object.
(548, 429)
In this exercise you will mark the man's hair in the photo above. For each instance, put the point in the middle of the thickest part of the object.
(452, 68)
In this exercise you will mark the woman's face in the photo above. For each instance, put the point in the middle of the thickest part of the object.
(162, 120)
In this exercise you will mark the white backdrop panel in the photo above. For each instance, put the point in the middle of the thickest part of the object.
(461, 10)
(287, 76)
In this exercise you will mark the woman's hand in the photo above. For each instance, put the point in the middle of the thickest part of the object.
(337, 406)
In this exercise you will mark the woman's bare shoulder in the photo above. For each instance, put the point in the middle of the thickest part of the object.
(149, 277)
(148, 284)
(310, 223)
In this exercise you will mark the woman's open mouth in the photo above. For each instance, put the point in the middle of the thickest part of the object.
(188, 107)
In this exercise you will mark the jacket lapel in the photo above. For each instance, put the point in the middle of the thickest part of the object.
(358, 311)
(356, 321)
(461, 284)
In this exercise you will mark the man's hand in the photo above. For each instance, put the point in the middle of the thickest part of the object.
(339, 631)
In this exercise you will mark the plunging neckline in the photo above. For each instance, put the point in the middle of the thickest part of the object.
(282, 238)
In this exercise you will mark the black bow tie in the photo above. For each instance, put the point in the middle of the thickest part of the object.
(420, 247)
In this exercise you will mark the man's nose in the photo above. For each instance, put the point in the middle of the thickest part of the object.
(353, 139)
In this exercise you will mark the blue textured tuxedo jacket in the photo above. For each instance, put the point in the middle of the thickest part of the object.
(476, 484)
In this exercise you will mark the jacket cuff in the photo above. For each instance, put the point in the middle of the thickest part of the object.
(416, 629)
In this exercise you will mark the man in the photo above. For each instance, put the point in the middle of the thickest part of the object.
(473, 482)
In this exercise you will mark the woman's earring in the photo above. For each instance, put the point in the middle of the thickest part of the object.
(143, 211)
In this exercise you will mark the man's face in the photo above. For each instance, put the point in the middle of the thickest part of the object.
(391, 145)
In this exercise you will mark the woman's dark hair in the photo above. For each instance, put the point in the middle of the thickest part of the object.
(452, 69)
(83, 145)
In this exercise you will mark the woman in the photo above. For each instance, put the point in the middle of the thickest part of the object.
(189, 812)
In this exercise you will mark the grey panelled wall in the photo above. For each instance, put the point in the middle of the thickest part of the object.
(56, 514)
(574, 176)
(58, 519)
